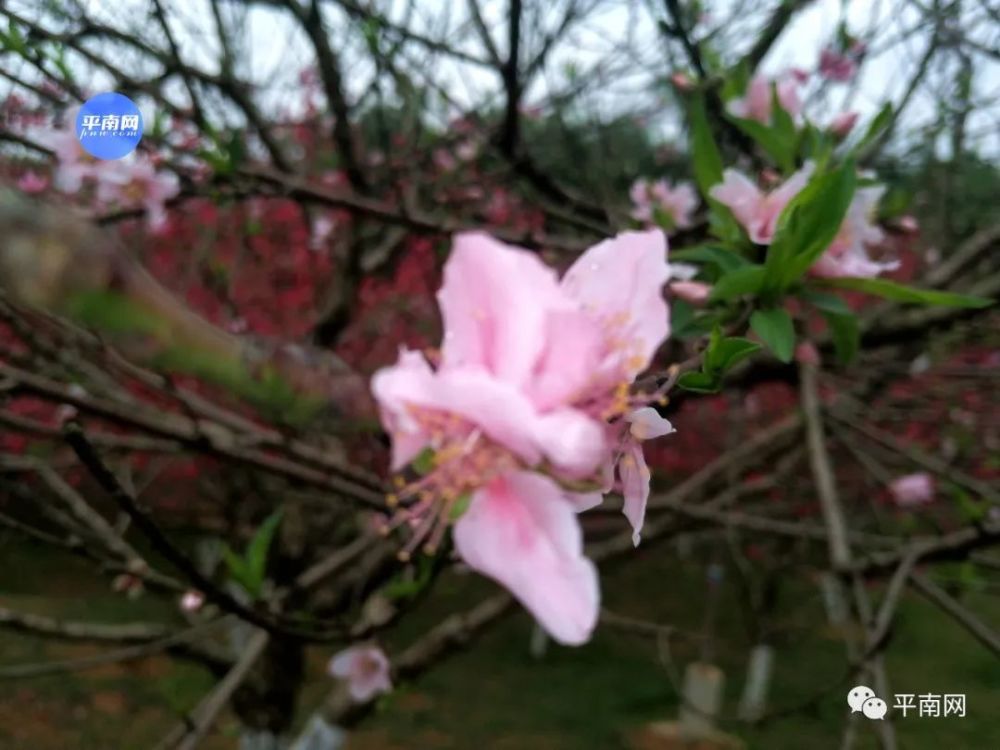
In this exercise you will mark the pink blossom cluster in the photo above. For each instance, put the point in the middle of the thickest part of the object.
(841, 64)
(527, 414)
(912, 489)
(131, 182)
(758, 212)
(651, 200)
(758, 100)
(365, 668)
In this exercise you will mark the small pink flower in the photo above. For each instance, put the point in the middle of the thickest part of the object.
(837, 66)
(467, 150)
(682, 81)
(912, 489)
(799, 74)
(321, 228)
(192, 601)
(843, 124)
(756, 211)
(677, 202)
(74, 165)
(757, 102)
(633, 473)
(806, 353)
(366, 669)
(444, 160)
(31, 182)
(848, 253)
(525, 410)
(693, 292)
(136, 183)
(908, 224)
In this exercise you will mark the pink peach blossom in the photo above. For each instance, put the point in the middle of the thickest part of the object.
(693, 292)
(675, 201)
(682, 81)
(192, 601)
(134, 182)
(31, 182)
(524, 412)
(74, 165)
(801, 75)
(467, 150)
(756, 103)
(837, 66)
(444, 160)
(848, 253)
(843, 123)
(912, 489)
(806, 353)
(643, 424)
(908, 223)
(320, 229)
(757, 211)
(366, 669)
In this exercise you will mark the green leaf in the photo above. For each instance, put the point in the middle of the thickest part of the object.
(724, 354)
(846, 334)
(257, 552)
(724, 260)
(235, 151)
(664, 219)
(745, 280)
(816, 146)
(698, 382)
(686, 322)
(826, 302)
(411, 580)
(808, 225)
(59, 58)
(882, 120)
(460, 506)
(777, 144)
(775, 329)
(901, 293)
(784, 128)
(370, 28)
(423, 464)
(237, 566)
(972, 511)
(14, 41)
(736, 81)
(722, 224)
(681, 317)
(707, 161)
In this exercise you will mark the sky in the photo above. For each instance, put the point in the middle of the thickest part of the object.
(278, 50)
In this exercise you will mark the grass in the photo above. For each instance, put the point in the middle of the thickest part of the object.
(495, 696)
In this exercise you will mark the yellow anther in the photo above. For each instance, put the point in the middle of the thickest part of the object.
(403, 556)
(392, 500)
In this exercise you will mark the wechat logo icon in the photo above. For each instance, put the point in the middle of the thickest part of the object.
(862, 698)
